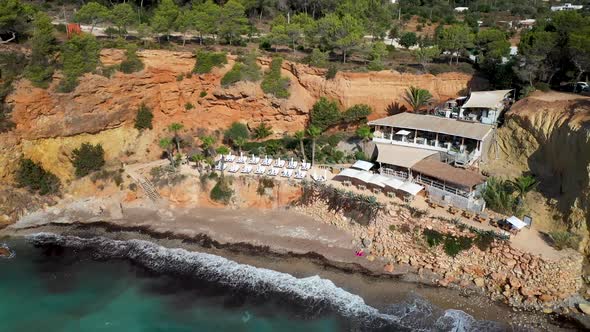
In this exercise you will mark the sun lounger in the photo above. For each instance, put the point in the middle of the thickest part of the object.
(305, 166)
(287, 173)
(273, 172)
(234, 168)
(260, 170)
(266, 162)
(241, 160)
(219, 166)
(254, 160)
(292, 165)
(247, 169)
(280, 163)
(300, 175)
(229, 158)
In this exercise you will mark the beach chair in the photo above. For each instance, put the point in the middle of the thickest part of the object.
(305, 166)
(247, 169)
(289, 173)
(234, 168)
(273, 172)
(260, 170)
(267, 162)
(229, 158)
(292, 165)
(280, 163)
(300, 175)
(241, 160)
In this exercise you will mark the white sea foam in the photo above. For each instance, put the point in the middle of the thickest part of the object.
(314, 291)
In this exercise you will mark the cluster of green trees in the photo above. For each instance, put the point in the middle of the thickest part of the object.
(556, 46)
(35, 178)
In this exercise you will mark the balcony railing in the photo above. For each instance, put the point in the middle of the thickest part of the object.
(421, 143)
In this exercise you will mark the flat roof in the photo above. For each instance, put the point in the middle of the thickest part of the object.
(401, 155)
(486, 99)
(448, 174)
(435, 124)
(364, 165)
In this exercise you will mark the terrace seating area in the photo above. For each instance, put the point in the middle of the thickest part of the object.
(289, 169)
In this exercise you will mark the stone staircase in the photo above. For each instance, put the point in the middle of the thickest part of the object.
(145, 184)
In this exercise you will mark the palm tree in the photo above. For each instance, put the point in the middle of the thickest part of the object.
(313, 132)
(198, 159)
(222, 150)
(239, 143)
(175, 128)
(166, 143)
(300, 135)
(523, 185)
(417, 97)
(365, 134)
(206, 143)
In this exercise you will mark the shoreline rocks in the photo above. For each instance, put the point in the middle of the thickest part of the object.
(521, 280)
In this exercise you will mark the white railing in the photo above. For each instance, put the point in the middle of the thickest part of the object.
(409, 144)
(393, 173)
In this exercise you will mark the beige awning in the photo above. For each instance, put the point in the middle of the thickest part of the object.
(401, 156)
(486, 99)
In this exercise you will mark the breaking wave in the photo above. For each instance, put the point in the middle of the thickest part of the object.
(317, 294)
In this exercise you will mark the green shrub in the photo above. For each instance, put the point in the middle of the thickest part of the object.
(325, 113)
(498, 195)
(262, 131)
(433, 238)
(144, 118)
(36, 179)
(87, 159)
(331, 73)
(454, 245)
(203, 94)
(207, 60)
(132, 63)
(318, 58)
(189, 75)
(232, 76)
(564, 239)
(222, 191)
(179, 77)
(265, 45)
(236, 131)
(273, 83)
(357, 113)
(189, 106)
(392, 228)
(80, 55)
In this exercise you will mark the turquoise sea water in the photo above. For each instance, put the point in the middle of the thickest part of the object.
(68, 283)
(55, 290)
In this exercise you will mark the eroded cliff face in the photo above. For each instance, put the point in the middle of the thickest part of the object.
(102, 110)
(548, 134)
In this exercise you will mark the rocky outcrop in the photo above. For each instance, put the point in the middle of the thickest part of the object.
(100, 103)
(102, 110)
(548, 134)
(520, 279)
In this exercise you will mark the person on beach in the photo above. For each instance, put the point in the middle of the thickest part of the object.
(360, 253)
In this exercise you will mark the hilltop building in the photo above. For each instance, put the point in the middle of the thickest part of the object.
(440, 151)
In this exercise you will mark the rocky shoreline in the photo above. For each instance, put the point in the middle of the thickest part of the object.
(391, 253)
(522, 280)
(205, 243)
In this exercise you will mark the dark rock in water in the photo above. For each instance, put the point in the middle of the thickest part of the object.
(4, 252)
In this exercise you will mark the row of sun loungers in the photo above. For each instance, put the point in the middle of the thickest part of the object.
(305, 166)
(261, 170)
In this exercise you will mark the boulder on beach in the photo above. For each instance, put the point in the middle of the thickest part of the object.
(4, 252)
